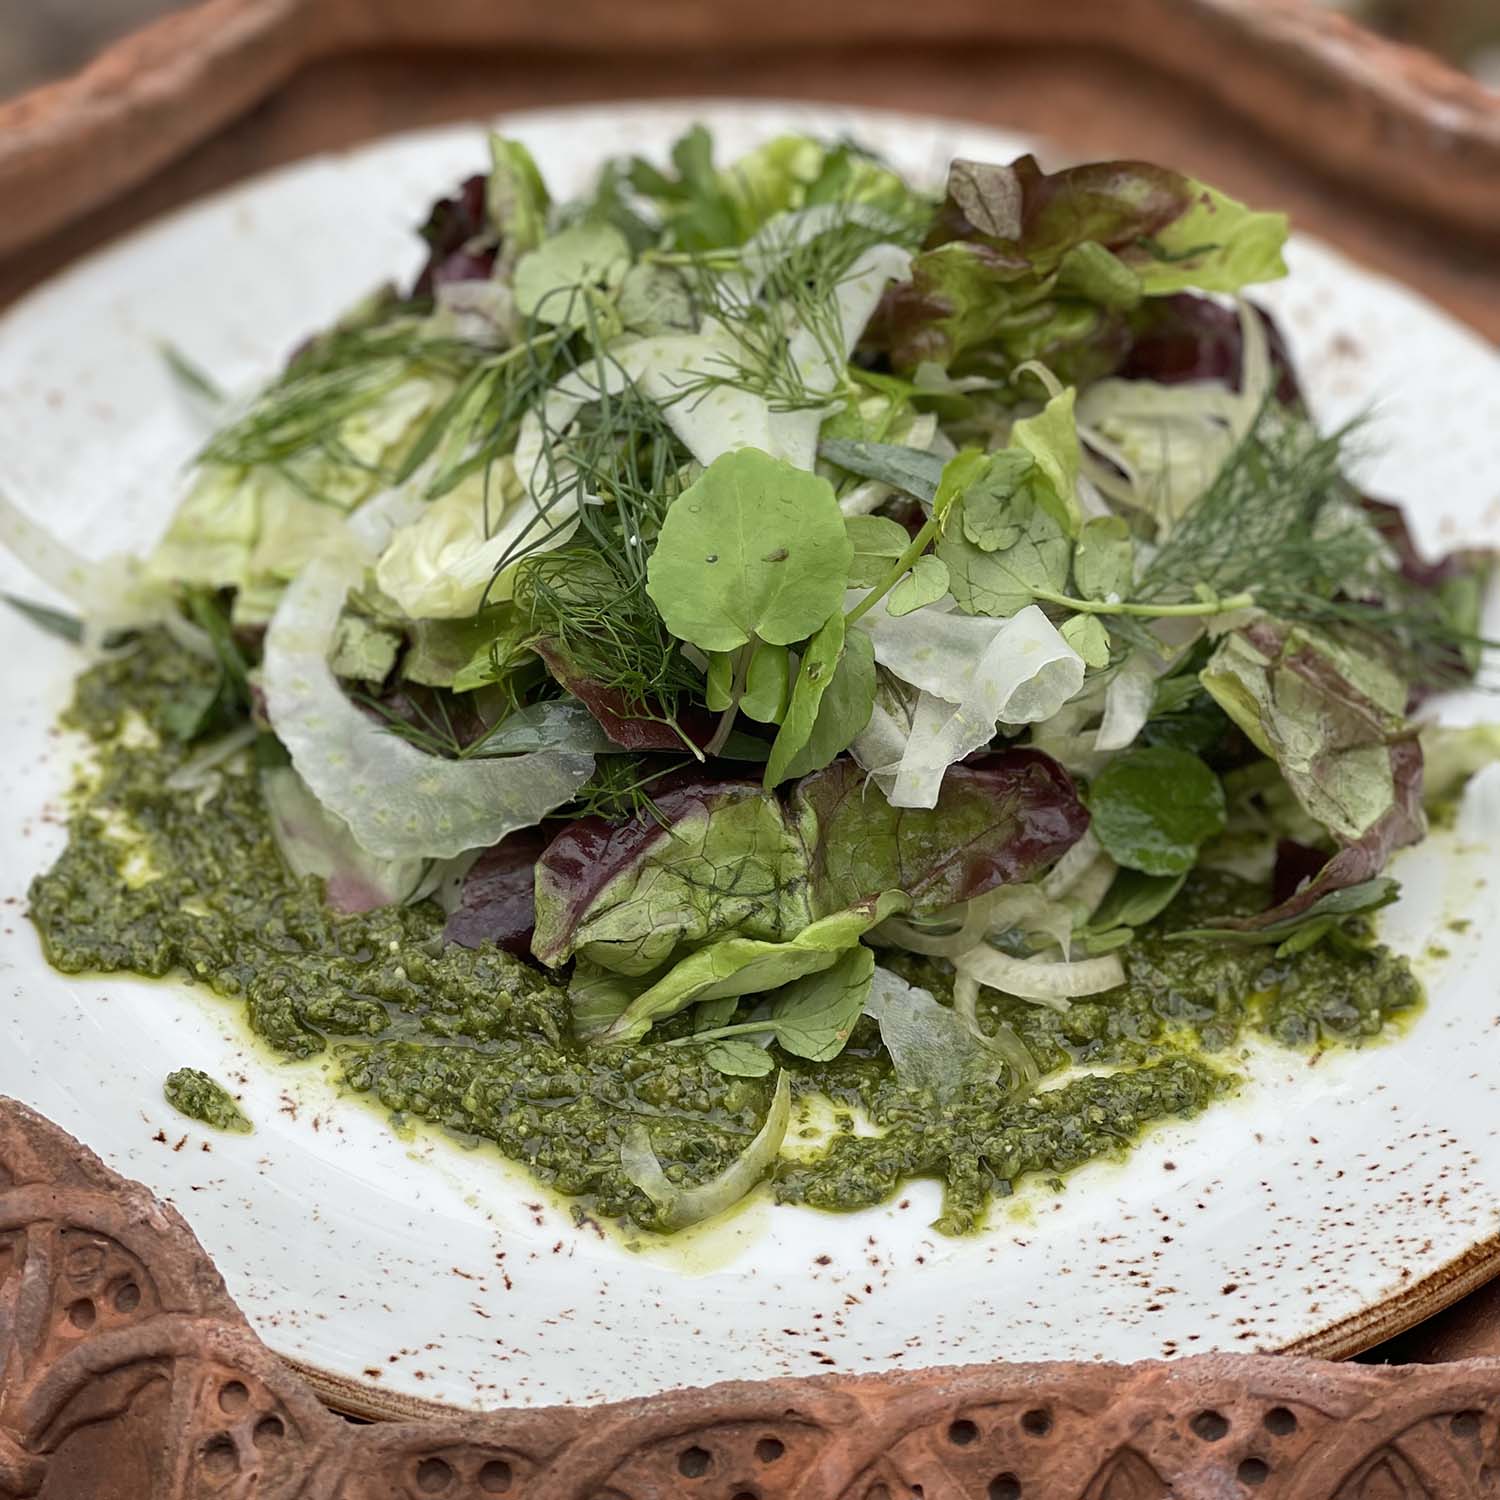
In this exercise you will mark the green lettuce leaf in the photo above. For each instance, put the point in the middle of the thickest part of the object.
(716, 858)
(749, 966)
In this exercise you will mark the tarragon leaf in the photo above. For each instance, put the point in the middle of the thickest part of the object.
(754, 547)
(913, 471)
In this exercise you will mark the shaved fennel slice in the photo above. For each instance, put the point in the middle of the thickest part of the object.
(1128, 700)
(935, 1048)
(398, 802)
(1165, 443)
(1007, 908)
(681, 1206)
(973, 672)
(313, 842)
(1069, 870)
(1046, 982)
(1003, 1039)
(110, 594)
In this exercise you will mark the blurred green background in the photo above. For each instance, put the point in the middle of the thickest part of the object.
(45, 39)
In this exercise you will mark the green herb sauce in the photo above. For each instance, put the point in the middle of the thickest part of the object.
(194, 1094)
(162, 882)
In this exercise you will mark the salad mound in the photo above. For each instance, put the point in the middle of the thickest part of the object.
(761, 672)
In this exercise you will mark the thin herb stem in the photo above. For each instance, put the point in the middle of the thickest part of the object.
(1197, 608)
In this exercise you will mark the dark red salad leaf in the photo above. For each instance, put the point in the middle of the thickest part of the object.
(497, 901)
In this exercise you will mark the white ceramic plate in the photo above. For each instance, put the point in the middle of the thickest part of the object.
(1334, 1197)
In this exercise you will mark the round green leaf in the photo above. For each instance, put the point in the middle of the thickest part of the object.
(754, 547)
(1153, 808)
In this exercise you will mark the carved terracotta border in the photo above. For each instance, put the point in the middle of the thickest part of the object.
(1399, 124)
(126, 1372)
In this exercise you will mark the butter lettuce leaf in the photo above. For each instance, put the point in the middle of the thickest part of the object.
(737, 966)
(716, 857)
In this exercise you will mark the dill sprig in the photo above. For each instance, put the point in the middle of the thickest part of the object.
(1277, 521)
(334, 379)
(778, 294)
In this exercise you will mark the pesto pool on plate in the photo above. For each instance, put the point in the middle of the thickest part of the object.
(759, 674)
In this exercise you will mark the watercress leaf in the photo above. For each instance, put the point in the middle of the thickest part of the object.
(754, 547)
(925, 584)
(1051, 439)
(1005, 580)
(913, 471)
(997, 821)
(767, 685)
(656, 300)
(738, 1058)
(878, 542)
(1133, 899)
(813, 1016)
(751, 966)
(1104, 558)
(713, 858)
(828, 710)
(1088, 637)
(990, 520)
(1152, 808)
(552, 283)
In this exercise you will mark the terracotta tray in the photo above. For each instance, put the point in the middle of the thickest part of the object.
(162, 1390)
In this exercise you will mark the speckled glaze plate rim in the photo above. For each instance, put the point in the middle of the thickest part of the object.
(406, 170)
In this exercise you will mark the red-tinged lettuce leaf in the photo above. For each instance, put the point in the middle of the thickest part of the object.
(461, 245)
(715, 857)
(616, 715)
(497, 900)
(1187, 337)
(1023, 264)
(729, 859)
(999, 819)
(1333, 721)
